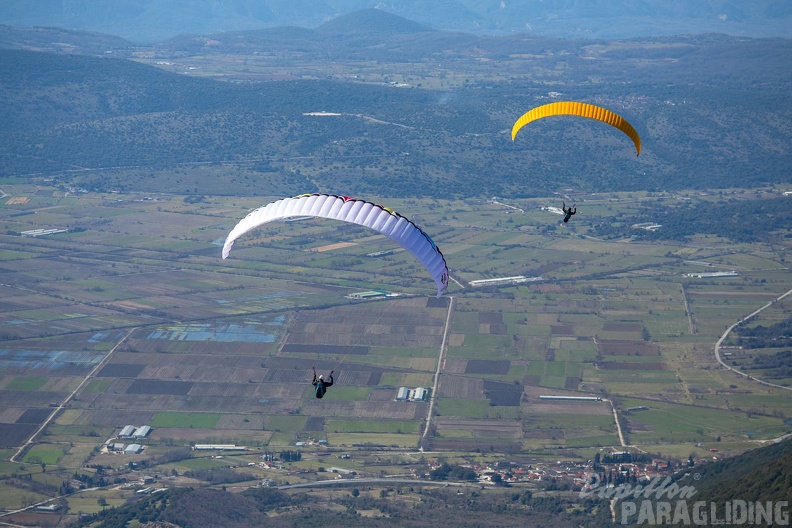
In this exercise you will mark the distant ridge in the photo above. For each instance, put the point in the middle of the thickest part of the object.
(370, 21)
(59, 40)
(149, 21)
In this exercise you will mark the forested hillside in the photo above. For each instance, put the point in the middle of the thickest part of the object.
(413, 505)
(747, 220)
(713, 112)
(762, 474)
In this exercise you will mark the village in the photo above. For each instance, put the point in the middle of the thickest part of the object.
(309, 462)
(609, 469)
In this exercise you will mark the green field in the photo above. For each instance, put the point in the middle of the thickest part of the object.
(285, 423)
(97, 385)
(463, 407)
(12, 497)
(89, 501)
(372, 426)
(390, 440)
(44, 454)
(664, 423)
(343, 393)
(27, 383)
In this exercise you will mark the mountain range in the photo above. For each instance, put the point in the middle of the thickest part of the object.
(149, 21)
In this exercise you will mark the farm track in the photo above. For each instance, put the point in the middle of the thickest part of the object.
(440, 365)
(622, 442)
(359, 481)
(70, 397)
(691, 325)
(43, 502)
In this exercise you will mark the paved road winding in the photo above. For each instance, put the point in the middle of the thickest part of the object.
(728, 331)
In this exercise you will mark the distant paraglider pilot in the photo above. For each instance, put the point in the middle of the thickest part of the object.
(320, 385)
(568, 212)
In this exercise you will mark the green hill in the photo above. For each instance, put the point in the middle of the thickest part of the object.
(762, 474)
(371, 21)
(374, 505)
(712, 112)
(751, 489)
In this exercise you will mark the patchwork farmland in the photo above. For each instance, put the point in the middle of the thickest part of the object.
(123, 323)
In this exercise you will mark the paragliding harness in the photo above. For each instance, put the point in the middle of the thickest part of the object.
(568, 212)
(320, 385)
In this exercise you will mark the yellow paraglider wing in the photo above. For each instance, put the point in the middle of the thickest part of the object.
(579, 109)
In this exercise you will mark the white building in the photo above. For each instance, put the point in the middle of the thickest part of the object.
(648, 226)
(517, 279)
(572, 398)
(712, 275)
(127, 431)
(133, 449)
(403, 394)
(218, 447)
(142, 432)
(370, 294)
(42, 232)
(342, 472)
(421, 394)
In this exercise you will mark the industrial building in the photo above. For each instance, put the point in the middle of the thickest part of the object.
(712, 275)
(218, 447)
(418, 394)
(648, 226)
(142, 432)
(130, 431)
(517, 279)
(42, 232)
(127, 431)
(133, 449)
(572, 398)
(371, 294)
(342, 472)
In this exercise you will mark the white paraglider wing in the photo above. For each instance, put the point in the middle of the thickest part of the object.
(346, 209)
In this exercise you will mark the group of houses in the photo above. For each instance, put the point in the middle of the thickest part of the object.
(619, 468)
